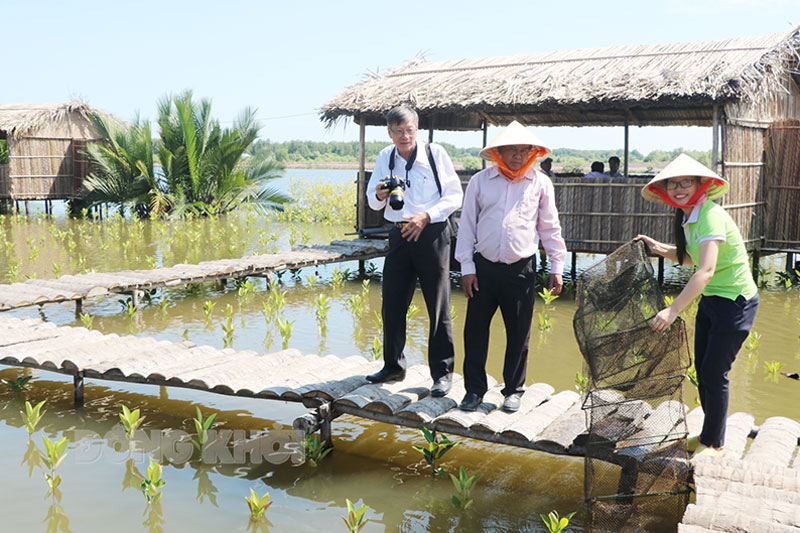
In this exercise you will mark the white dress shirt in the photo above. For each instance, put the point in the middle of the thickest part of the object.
(421, 194)
(504, 220)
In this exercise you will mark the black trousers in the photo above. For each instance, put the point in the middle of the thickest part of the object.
(512, 288)
(721, 326)
(428, 260)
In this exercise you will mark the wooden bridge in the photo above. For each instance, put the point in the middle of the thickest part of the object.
(82, 286)
(745, 490)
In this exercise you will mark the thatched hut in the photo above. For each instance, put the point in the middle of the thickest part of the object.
(45, 147)
(743, 89)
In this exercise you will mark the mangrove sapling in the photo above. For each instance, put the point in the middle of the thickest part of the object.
(355, 521)
(208, 309)
(452, 313)
(128, 307)
(56, 269)
(464, 485)
(356, 304)
(131, 420)
(340, 277)
(54, 454)
(544, 318)
(18, 384)
(322, 308)
(554, 523)
(152, 484)
(87, 320)
(376, 350)
(201, 426)
(435, 449)
(314, 450)
(163, 304)
(285, 327)
(753, 338)
(311, 280)
(581, 383)
(773, 368)
(412, 310)
(32, 415)
(227, 326)
(258, 504)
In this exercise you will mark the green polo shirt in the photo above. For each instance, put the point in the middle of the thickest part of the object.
(732, 274)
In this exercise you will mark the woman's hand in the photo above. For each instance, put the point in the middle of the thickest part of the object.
(663, 319)
(651, 243)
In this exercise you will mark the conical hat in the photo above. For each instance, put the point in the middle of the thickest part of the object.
(514, 133)
(685, 166)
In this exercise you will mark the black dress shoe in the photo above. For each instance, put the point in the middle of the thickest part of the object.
(470, 402)
(387, 375)
(442, 386)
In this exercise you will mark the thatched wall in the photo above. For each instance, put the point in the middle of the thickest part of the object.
(4, 183)
(600, 214)
(782, 169)
(45, 146)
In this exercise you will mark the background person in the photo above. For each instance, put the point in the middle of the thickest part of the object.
(706, 232)
(419, 246)
(508, 208)
(597, 171)
(547, 167)
(613, 167)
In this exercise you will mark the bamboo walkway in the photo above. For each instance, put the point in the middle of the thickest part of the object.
(749, 489)
(753, 489)
(81, 286)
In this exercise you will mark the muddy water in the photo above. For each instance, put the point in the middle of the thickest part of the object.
(373, 463)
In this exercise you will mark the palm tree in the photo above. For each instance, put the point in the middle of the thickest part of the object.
(202, 163)
(121, 166)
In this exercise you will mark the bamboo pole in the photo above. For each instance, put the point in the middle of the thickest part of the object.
(485, 133)
(625, 170)
(714, 137)
(361, 189)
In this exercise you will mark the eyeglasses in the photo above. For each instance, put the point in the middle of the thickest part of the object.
(408, 131)
(514, 151)
(683, 184)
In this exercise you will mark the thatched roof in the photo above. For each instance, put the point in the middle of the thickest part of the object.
(18, 120)
(673, 83)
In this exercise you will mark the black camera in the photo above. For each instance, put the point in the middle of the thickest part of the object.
(396, 187)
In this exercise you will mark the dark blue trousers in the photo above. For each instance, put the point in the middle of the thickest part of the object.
(511, 288)
(721, 326)
(428, 260)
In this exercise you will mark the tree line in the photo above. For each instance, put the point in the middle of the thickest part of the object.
(569, 159)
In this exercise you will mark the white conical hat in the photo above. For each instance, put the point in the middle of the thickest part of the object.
(685, 166)
(514, 133)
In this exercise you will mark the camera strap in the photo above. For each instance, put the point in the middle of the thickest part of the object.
(410, 163)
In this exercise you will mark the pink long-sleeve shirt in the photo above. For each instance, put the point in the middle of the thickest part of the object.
(504, 220)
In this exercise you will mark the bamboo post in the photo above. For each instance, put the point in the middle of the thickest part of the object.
(661, 271)
(485, 129)
(430, 129)
(361, 188)
(78, 307)
(756, 261)
(77, 388)
(325, 416)
(625, 169)
(573, 270)
(714, 137)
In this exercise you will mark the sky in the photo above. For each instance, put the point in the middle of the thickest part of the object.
(286, 59)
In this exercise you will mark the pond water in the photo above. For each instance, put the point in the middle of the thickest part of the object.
(372, 464)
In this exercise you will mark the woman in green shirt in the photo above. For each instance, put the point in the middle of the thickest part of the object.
(707, 237)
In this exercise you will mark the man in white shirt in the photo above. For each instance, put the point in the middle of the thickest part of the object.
(419, 245)
(613, 167)
(507, 209)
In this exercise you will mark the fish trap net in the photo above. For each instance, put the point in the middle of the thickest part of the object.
(636, 468)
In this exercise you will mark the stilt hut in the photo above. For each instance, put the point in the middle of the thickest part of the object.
(746, 90)
(45, 150)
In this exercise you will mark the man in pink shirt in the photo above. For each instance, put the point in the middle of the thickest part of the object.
(508, 208)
